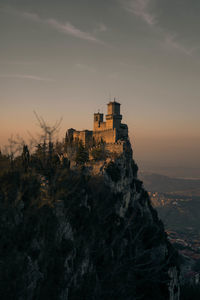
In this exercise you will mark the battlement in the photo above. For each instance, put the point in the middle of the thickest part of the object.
(110, 131)
(113, 118)
(117, 147)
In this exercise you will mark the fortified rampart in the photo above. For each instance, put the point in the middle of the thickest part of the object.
(117, 147)
(85, 136)
(109, 131)
(108, 135)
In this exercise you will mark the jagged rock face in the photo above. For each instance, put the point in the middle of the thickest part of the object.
(99, 239)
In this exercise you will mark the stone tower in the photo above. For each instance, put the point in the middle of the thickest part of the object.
(110, 131)
(113, 118)
(98, 120)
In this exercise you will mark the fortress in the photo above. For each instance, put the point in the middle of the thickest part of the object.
(109, 131)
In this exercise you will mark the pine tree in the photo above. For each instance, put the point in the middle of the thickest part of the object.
(25, 158)
(82, 155)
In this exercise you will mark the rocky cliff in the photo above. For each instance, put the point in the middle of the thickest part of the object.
(97, 237)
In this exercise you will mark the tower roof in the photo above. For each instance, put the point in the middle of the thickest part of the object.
(114, 102)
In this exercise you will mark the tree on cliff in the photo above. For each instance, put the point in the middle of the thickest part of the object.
(63, 235)
(82, 155)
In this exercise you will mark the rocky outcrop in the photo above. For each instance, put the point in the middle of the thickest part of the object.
(99, 238)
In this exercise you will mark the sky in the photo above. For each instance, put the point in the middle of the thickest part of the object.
(69, 58)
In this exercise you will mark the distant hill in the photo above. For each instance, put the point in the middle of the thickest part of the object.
(177, 200)
(181, 215)
(164, 184)
(84, 231)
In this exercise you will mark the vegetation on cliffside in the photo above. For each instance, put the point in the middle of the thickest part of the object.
(63, 236)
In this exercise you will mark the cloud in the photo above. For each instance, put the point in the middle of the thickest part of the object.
(171, 41)
(140, 8)
(31, 77)
(30, 16)
(101, 28)
(65, 28)
(143, 9)
(70, 29)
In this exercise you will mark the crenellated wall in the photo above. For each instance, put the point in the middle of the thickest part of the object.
(110, 131)
(108, 136)
(85, 136)
(117, 148)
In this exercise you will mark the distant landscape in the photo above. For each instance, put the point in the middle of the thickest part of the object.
(177, 202)
(165, 184)
(185, 170)
(99, 150)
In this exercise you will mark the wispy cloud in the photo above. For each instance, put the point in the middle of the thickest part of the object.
(30, 77)
(101, 28)
(144, 10)
(30, 16)
(172, 42)
(140, 8)
(70, 29)
(65, 28)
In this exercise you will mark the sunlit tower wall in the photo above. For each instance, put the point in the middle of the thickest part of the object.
(113, 117)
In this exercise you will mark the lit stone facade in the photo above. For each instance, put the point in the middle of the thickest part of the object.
(110, 131)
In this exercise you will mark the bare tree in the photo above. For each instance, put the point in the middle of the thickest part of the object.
(14, 146)
(48, 132)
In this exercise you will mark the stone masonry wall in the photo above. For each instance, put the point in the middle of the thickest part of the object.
(108, 136)
(117, 148)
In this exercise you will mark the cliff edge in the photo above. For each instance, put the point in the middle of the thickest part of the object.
(95, 235)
